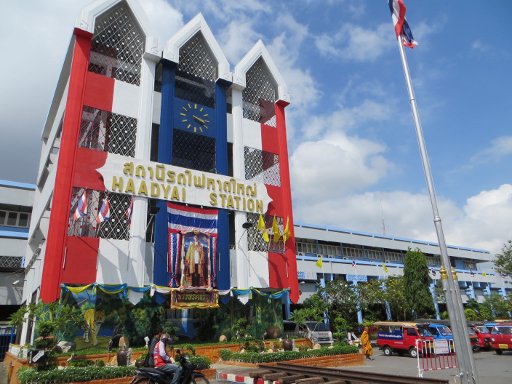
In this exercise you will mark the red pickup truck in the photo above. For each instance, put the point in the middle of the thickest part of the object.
(501, 337)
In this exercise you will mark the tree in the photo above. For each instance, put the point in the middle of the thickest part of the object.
(503, 261)
(371, 298)
(343, 300)
(417, 281)
(313, 308)
(395, 296)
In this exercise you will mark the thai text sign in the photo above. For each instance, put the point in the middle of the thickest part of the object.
(130, 176)
(187, 298)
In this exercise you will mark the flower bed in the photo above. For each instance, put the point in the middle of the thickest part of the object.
(73, 374)
(269, 357)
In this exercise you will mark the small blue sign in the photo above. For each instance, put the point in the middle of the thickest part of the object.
(301, 275)
(357, 278)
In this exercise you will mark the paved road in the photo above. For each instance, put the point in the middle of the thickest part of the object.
(491, 368)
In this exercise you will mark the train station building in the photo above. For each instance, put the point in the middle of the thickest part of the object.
(164, 169)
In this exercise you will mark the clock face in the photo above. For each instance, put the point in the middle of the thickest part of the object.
(194, 117)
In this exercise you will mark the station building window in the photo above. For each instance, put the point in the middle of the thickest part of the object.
(14, 217)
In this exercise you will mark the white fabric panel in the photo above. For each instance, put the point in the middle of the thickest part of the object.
(115, 266)
(258, 269)
(126, 99)
(252, 134)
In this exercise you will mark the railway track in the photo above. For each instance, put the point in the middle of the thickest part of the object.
(295, 374)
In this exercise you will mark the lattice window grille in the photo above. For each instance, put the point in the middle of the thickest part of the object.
(10, 262)
(191, 150)
(108, 132)
(262, 166)
(255, 239)
(197, 59)
(117, 45)
(117, 227)
(259, 95)
(197, 72)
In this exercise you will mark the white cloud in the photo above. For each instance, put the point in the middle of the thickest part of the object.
(339, 163)
(499, 148)
(237, 38)
(164, 19)
(355, 43)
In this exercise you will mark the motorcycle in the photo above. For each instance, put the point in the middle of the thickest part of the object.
(189, 375)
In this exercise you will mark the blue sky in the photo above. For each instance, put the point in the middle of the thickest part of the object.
(353, 151)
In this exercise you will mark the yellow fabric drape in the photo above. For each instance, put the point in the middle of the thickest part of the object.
(89, 320)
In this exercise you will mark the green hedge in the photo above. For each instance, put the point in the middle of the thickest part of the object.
(253, 357)
(202, 362)
(73, 374)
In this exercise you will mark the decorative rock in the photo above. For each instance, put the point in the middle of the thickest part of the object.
(223, 339)
(317, 346)
(123, 342)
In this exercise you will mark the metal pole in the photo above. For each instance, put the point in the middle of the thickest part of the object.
(467, 370)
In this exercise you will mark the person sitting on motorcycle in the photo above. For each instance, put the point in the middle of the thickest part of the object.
(150, 362)
(163, 361)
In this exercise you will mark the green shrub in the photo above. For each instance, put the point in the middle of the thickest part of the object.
(253, 357)
(73, 374)
(201, 362)
(80, 363)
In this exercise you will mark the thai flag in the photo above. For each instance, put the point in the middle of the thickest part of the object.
(104, 212)
(402, 29)
(81, 208)
(185, 219)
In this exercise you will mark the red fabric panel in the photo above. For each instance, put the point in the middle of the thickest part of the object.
(277, 270)
(269, 139)
(99, 92)
(52, 269)
(286, 196)
(87, 162)
(81, 258)
(275, 208)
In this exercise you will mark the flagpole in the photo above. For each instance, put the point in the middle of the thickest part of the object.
(467, 369)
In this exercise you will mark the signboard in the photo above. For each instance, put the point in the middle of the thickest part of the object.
(135, 177)
(357, 278)
(194, 298)
(441, 347)
(38, 355)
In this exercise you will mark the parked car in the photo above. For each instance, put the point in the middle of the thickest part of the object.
(400, 337)
(436, 330)
(501, 337)
(315, 331)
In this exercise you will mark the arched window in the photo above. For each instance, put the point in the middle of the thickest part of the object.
(259, 95)
(117, 45)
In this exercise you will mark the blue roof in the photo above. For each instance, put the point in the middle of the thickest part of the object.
(14, 232)
(16, 184)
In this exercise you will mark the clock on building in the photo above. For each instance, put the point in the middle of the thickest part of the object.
(194, 117)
